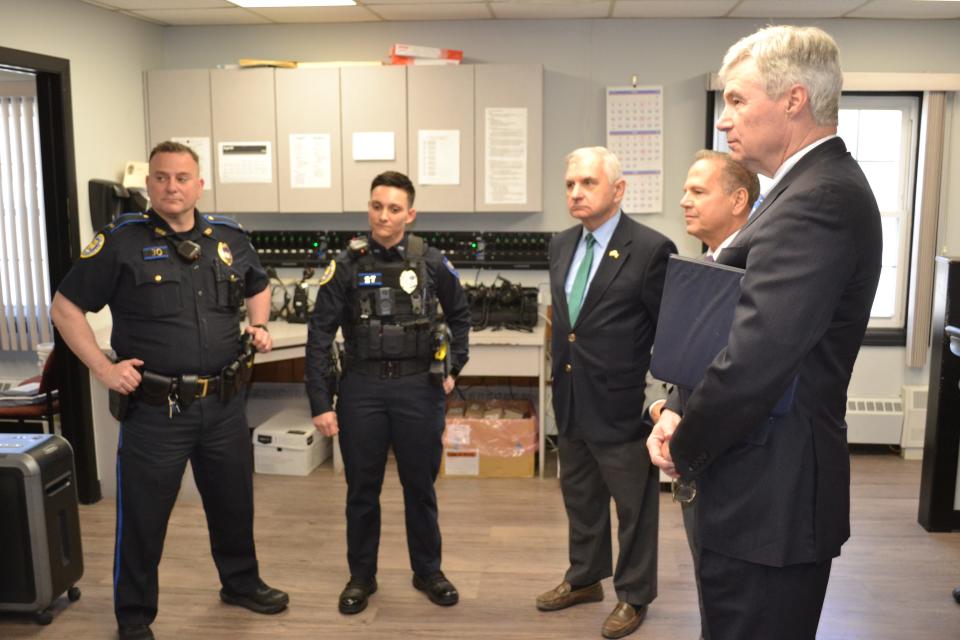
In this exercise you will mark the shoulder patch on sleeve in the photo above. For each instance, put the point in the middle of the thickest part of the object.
(223, 220)
(127, 219)
(327, 274)
(450, 267)
(94, 247)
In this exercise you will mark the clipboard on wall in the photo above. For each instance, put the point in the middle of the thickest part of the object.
(696, 315)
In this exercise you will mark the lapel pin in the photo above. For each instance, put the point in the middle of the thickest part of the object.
(614, 254)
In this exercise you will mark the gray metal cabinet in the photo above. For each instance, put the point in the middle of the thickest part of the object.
(441, 120)
(374, 108)
(244, 132)
(308, 140)
(509, 137)
(178, 106)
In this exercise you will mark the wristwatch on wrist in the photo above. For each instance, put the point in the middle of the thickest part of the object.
(261, 326)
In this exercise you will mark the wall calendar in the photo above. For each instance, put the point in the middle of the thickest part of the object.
(635, 135)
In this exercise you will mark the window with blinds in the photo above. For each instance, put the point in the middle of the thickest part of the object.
(24, 285)
(881, 131)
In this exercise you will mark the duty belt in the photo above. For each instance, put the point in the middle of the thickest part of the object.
(386, 368)
(180, 391)
(155, 388)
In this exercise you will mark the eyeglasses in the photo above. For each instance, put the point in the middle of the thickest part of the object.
(683, 491)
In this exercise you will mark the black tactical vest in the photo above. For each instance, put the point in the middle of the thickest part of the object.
(392, 309)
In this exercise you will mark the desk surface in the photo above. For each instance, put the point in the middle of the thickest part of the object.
(290, 336)
(286, 335)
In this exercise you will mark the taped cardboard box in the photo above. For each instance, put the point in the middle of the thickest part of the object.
(494, 447)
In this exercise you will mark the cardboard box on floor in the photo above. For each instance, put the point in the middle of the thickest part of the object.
(490, 447)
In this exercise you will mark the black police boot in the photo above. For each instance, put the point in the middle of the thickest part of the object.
(134, 632)
(353, 598)
(265, 599)
(440, 590)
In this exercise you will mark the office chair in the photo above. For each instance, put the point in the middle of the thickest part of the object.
(32, 413)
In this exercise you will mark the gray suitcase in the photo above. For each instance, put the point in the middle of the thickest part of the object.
(41, 557)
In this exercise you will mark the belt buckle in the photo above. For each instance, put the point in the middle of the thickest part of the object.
(205, 382)
(389, 369)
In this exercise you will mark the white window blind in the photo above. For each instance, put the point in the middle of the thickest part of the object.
(24, 285)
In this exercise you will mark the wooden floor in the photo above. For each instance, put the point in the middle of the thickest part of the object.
(504, 542)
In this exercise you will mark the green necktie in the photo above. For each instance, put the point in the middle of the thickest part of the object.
(580, 282)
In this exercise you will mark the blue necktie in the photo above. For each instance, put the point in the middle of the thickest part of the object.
(580, 281)
(756, 205)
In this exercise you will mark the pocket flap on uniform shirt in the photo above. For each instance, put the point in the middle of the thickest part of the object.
(156, 272)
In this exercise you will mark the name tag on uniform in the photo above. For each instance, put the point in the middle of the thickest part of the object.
(370, 279)
(160, 252)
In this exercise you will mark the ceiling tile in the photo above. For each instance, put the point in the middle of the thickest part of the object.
(414, 3)
(182, 17)
(548, 10)
(440, 11)
(901, 9)
(312, 15)
(134, 5)
(672, 8)
(794, 8)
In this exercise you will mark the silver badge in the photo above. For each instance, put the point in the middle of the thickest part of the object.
(408, 280)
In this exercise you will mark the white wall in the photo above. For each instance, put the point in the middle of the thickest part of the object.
(108, 54)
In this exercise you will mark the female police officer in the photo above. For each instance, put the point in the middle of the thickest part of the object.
(383, 292)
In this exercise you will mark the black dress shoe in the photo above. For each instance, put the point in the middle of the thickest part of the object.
(134, 632)
(353, 598)
(265, 599)
(440, 590)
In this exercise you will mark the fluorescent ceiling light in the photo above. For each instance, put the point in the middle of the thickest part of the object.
(282, 4)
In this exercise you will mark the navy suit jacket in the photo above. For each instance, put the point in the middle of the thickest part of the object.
(776, 490)
(600, 364)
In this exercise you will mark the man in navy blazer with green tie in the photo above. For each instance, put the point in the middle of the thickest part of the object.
(606, 279)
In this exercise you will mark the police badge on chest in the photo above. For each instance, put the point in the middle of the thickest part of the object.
(409, 281)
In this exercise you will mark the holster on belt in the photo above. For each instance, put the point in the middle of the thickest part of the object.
(239, 372)
(154, 388)
(229, 381)
(119, 404)
(187, 390)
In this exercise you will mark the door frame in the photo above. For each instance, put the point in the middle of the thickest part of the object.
(58, 168)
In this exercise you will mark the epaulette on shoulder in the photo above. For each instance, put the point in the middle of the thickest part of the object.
(125, 219)
(225, 221)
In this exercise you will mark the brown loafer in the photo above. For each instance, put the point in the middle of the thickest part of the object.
(623, 621)
(563, 596)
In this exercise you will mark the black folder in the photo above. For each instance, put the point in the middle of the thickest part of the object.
(696, 314)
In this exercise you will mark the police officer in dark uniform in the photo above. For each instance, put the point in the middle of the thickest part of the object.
(175, 280)
(383, 292)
